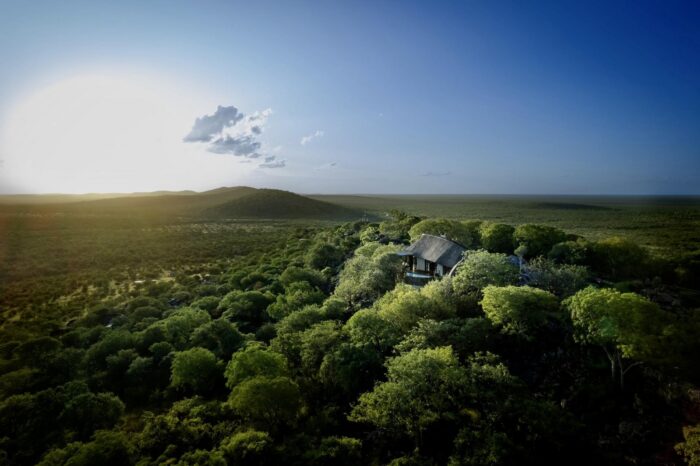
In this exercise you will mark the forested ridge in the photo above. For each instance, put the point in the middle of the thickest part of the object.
(309, 350)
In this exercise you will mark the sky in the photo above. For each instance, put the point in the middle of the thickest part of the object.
(491, 97)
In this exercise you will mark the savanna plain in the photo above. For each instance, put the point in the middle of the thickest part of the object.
(258, 326)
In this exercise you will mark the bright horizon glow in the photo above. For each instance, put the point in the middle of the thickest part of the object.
(108, 133)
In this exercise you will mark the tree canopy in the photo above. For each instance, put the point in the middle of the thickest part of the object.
(482, 268)
(519, 310)
(627, 326)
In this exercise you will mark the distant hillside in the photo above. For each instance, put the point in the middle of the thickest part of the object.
(173, 200)
(235, 202)
(273, 203)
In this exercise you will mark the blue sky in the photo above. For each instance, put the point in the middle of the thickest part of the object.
(403, 97)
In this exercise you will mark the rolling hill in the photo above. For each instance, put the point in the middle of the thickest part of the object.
(229, 202)
(277, 204)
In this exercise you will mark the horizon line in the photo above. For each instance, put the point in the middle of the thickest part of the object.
(170, 191)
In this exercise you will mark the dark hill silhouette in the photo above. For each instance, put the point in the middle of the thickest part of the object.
(274, 203)
(226, 202)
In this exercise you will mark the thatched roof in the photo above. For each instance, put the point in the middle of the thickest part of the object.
(435, 249)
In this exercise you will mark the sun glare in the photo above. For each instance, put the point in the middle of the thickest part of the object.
(100, 133)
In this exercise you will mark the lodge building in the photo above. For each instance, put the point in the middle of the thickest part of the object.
(431, 256)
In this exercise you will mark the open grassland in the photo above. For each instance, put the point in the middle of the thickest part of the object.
(668, 225)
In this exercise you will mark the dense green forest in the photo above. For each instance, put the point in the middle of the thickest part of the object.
(166, 338)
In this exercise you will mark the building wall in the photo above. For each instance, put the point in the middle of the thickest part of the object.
(421, 265)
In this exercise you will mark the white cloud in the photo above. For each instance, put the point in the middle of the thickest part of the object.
(272, 162)
(244, 146)
(208, 127)
(228, 131)
(315, 135)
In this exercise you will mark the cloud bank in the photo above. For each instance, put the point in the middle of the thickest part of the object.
(315, 135)
(229, 131)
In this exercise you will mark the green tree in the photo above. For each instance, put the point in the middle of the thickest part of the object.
(423, 387)
(297, 296)
(88, 412)
(619, 258)
(300, 320)
(293, 274)
(249, 447)
(195, 369)
(397, 228)
(350, 369)
(24, 429)
(464, 233)
(628, 327)
(248, 308)
(206, 303)
(519, 310)
(368, 328)
(111, 343)
(108, 448)
(465, 336)
(561, 279)
(36, 351)
(372, 271)
(316, 342)
(322, 255)
(189, 424)
(576, 252)
(219, 336)
(538, 239)
(340, 451)
(254, 361)
(369, 234)
(267, 401)
(690, 448)
(481, 268)
(179, 325)
(404, 306)
(497, 237)
(202, 458)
